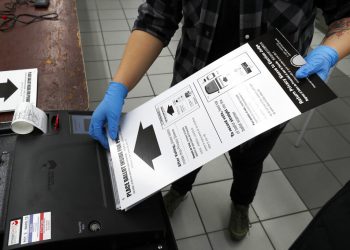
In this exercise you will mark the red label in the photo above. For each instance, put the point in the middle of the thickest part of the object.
(41, 236)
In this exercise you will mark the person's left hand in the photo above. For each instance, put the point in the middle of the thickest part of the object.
(320, 61)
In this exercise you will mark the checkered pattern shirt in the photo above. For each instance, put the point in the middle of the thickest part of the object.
(294, 18)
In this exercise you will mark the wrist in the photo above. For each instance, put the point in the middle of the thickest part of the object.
(332, 53)
(120, 87)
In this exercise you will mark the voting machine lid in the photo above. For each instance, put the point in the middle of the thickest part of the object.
(61, 191)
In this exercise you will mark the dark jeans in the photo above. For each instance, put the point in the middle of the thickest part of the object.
(247, 164)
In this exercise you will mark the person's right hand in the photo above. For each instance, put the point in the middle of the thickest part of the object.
(320, 60)
(108, 113)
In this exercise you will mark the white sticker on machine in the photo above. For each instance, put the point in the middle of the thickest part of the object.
(15, 228)
(36, 227)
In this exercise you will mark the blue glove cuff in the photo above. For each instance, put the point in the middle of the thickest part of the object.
(333, 54)
(121, 88)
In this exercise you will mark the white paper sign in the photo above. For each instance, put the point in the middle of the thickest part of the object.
(239, 96)
(17, 86)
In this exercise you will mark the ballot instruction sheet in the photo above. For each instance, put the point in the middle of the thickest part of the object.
(17, 86)
(239, 96)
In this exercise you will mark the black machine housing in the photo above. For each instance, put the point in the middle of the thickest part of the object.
(66, 173)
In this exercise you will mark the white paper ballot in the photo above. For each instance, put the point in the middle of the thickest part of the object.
(17, 86)
(237, 97)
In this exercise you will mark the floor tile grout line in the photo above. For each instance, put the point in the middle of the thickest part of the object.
(97, 79)
(128, 98)
(150, 83)
(341, 158)
(212, 182)
(228, 160)
(126, 19)
(286, 215)
(207, 234)
(231, 178)
(157, 74)
(327, 119)
(267, 235)
(301, 165)
(331, 77)
(145, 96)
(290, 182)
(115, 44)
(96, 31)
(347, 103)
(318, 162)
(314, 128)
(113, 60)
(302, 200)
(259, 221)
(337, 159)
(323, 162)
(278, 217)
(105, 46)
(331, 172)
(314, 151)
(294, 189)
(92, 31)
(100, 31)
(195, 235)
(104, 43)
(103, 60)
(339, 132)
(200, 217)
(263, 172)
(308, 209)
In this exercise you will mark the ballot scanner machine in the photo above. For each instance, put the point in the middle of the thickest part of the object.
(59, 194)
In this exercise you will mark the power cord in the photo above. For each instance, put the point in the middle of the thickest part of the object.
(10, 7)
(9, 17)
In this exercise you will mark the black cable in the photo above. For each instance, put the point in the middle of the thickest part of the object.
(10, 18)
(26, 19)
(10, 7)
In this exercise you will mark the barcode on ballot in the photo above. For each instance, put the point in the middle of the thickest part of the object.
(120, 154)
(246, 67)
(29, 84)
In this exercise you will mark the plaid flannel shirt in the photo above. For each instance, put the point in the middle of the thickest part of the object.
(294, 18)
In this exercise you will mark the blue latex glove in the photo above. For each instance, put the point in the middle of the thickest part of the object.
(320, 61)
(108, 111)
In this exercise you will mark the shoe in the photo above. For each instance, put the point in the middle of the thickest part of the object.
(172, 200)
(239, 222)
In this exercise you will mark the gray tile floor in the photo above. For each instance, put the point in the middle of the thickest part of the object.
(297, 181)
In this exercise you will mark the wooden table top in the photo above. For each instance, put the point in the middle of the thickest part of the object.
(54, 47)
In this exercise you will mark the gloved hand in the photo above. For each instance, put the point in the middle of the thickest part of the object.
(108, 111)
(320, 61)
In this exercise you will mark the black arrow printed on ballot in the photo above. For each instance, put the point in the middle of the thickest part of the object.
(147, 147)
(7, 89)
(170, 110)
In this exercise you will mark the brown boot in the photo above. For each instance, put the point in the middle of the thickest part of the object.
(172, 200)
(239, 221)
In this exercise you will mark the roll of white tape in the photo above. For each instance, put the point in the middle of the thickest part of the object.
(21, 127)
(26, 117)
